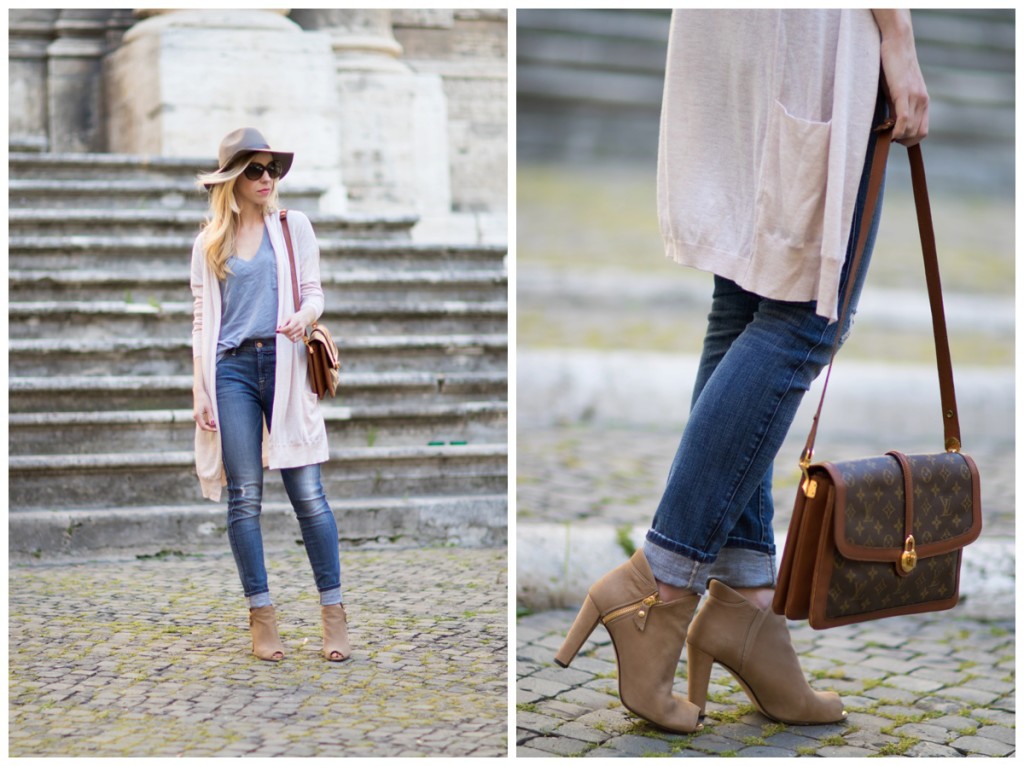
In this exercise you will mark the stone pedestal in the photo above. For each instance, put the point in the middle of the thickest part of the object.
(182, 80)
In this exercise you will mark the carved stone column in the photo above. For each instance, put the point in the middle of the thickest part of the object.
(30, 33)
(182, 80)
(392, 128)
(75, 83)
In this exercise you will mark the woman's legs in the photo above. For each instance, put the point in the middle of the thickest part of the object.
(319, 529)
(241, 381)
(760, 356)
(245, 396)
(734, 430)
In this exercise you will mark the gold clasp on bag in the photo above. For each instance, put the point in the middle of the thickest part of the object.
(808, 486)
(909, 558)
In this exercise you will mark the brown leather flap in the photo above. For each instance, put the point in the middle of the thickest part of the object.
(872, 515)
(320, 341)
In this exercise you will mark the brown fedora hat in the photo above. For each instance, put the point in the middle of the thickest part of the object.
(248, 141)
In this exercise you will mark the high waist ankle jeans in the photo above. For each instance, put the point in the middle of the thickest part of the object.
(759, 358)
(245, 396)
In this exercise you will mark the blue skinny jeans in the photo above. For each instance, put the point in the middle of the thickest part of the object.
(760, 356)
(245, 396)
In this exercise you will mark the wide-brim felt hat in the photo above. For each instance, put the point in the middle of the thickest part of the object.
(246, 141)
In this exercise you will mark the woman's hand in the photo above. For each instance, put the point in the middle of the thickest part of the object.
(903, 76)
(202, 411)
(293, 328)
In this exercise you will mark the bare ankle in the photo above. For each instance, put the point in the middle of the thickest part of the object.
(759, 597)
(669, 593)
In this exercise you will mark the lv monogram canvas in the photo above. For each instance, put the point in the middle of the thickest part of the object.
(881, 536)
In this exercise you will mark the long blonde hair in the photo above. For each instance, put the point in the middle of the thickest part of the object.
(220, 228)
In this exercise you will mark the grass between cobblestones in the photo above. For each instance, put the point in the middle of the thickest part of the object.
(152, 658)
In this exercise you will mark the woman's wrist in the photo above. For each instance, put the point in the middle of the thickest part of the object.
(894, 23)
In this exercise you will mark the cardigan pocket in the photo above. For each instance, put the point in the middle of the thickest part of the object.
(791, 194)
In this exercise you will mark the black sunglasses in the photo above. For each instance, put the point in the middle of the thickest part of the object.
(254, 170)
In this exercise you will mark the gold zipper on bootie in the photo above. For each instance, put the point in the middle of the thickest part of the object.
(642, 609)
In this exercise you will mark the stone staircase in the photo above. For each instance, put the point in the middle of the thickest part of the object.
(100, 369)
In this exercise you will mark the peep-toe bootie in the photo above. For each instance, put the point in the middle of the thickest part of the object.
(266, 644)
(335, 622)
(755, 647)
(648, 636)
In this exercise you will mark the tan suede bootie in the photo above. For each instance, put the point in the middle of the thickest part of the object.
(266, 644)
(754, 645)
(335, 621)
(648, 636)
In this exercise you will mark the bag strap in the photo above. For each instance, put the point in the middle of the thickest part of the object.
(951, 422)
(291, 257)
(291, 262)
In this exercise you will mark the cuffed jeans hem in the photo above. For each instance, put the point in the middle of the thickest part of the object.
(256, 600)
(330, 596)
(676, 569)
(744, 568)
(736, 567)
(749, 545)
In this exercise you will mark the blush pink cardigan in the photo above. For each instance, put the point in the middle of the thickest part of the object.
(297, 435)
(765, 122)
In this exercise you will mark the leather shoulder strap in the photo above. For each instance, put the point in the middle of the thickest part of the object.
(950, 416)
(291, 258)
(951, 422)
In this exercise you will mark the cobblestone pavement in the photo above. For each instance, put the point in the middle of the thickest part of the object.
(152, 658)
(936, 685)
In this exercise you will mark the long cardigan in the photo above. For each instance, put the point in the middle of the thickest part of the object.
(765, 122)
(297, 435)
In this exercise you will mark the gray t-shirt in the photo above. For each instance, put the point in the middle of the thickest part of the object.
(249, 298)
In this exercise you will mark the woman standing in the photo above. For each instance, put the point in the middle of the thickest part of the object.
(251, 402)
(766, 140)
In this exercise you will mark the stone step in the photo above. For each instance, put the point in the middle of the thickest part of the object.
(384, 425)
(119, 224)
(143, 356)
(162, 284)
(108, 167)
(471, 520)
(104, 393)
(117, 480)
(95, 320)
(132, 194)
(132, 255)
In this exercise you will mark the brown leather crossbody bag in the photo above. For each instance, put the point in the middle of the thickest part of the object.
(322, 365)
(883, 536)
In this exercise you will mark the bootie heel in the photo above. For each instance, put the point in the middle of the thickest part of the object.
(754, 646)
(698, 675)
(648, 636)
(580, 631)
